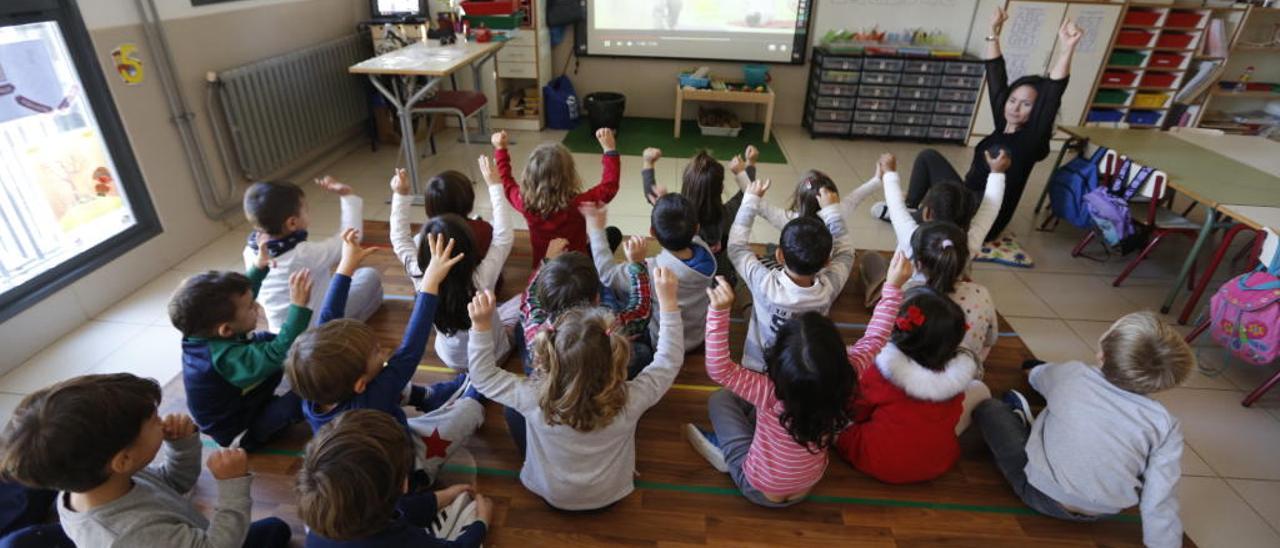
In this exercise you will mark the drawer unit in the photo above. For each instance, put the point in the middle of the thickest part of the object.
(882, 64)
(873, 117)
(922, 80)
(875, 104)
(905, 105)
(923, 94)
(822, 115)
(950, 121)
(877, 91)
(964, 69)
(839, 90)
(830, 128)
(912, 119)
(963, 109)
(841, 63)
(964, 82)
(841, 76)
(517, 54)
(947, 133)
(922, 66)
(961, 95)
(882, 78)
(914, 132)
(877, 130)
(834, 102)
(517, 70)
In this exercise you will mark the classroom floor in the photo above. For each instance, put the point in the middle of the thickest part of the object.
(1230, 492)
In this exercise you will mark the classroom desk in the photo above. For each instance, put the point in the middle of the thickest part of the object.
(1205, 168)
(402, 69)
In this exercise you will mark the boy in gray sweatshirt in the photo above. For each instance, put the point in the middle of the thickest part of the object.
(816, 261)
(1101, 444)
(93, 438)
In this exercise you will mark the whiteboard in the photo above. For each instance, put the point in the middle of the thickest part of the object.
(952, 17)
(1027, 44)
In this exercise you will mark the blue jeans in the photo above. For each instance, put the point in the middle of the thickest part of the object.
(275, 413)
(37, 536)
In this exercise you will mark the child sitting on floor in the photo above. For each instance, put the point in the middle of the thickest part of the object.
(279, 210)
(816, 261)
(941, 256)
(339, 365)
(449, 192)
(804, 200)
(26, 517)
(230, 374)
(550, 191)
(674, 223)
(471, 274)
(916, 397)
(353, 490)
(578, 412)
(771, 430)
(1101, 444)
(93, 438)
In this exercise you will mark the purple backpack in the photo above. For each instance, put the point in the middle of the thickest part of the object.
(1108, 205)
(1246, 315)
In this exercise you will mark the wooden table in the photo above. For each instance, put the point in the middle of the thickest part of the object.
(1198, 168)
(758, 98)
(412, 72)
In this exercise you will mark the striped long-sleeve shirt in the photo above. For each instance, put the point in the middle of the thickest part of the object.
(776, 464)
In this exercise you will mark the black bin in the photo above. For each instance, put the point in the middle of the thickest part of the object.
(604, 109)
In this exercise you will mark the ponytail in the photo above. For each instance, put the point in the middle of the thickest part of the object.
(941, 252)
(804, 202)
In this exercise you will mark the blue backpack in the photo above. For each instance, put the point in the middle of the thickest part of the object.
(1069, 185)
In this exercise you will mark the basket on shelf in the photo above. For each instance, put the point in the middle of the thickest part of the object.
(718, 122)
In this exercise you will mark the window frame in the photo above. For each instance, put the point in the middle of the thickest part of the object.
(66, 14)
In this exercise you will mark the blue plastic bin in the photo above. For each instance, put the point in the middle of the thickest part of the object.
(755, 75)
(1105, 115)
(1143, 117)
(689, 80)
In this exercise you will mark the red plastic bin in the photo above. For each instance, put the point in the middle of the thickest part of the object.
(1167, 60)
(1174, 40)
(1183, 19)
(1134, 38)
(496, 7)
(1158, 80)
(1118, 78)
(1141, 17)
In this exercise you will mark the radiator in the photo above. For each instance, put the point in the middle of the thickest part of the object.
(280, 108)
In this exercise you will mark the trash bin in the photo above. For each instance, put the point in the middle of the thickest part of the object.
(604, 109)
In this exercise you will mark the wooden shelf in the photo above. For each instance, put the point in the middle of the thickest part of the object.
(1162, 27)
(1139, 88)
(1258, 48)
(1148, 69)
(1207, 58)
(1246, 94)
(1127, 107)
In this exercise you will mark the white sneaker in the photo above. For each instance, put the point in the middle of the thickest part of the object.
(706, 447)
(446, 522)
(880, 210)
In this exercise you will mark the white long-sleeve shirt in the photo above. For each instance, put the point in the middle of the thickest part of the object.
(779, 217)
(453, 349)
(904, 225)
(319, 256)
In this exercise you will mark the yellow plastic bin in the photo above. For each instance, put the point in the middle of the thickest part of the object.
(1150, 100)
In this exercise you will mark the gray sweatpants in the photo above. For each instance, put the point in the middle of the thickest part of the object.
(439, 433)
(734, 420)
(364, 298)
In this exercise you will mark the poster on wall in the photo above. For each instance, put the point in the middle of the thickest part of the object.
(77, 182)
(28, 81)
(128, 64)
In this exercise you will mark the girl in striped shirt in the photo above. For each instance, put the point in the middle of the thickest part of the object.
(779, 453)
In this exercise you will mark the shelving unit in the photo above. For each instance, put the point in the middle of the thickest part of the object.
(523, 66)
(1222, 105)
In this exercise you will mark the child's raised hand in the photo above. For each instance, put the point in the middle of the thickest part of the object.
(900, 270)
(484, 509)
(445, 497)
(442, 260)
(651, 156)
(668, 288)
(556, 247)
(264, 254)
(827, 197)
(352, 253)
(400, 182)
(333, 185)
(752, 154)
(721, 295)
(488, 171)
(634, 249)
(177, 426)
(608, 142)
(999, 163)
(888, 163)
(228, 463)
(737, 165)
(300, 288)
(499, 139)
(759, 187)
(596, 214)
(481, 310)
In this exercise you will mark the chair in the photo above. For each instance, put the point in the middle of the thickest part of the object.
(1160, 221)
(460, 103)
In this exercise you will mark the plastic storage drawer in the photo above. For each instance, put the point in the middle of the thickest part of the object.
(842, 63)
(912, 119)
(1150, 100)
(1127, 58)
(1158, 79)
(916, 132)
(950, 121)
(873, 117)
(924, 80)
(1174, 40)
(1119, 78)
(920, 66)
(840, 76)
(1137, 38)
(830, 128)
(1183, 19)
(1167, 60)
(964, 69)
(842, 90)
(875, 104)
(966, 82)
(881, 64)
(882, 78)
(822, 115)
(963, 109)
(877, 91)
(905, 105)
(1112, 96)
(925, 94)
(878, 130)
(1141, 17)
(947, 133)
(1105, 115)
(834, 102)
(961, 95)
(1143, 117)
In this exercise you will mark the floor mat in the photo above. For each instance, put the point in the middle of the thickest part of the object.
(638, 133)
(1006, 251)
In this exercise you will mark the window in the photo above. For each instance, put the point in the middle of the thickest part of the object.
(71, 195)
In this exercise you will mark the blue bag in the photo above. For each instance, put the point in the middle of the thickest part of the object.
(562, 105)
(1069, 185)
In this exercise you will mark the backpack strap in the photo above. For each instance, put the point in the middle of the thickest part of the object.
(1097, 155)
(1122, 176)
(1273, 284)
(1137, 183)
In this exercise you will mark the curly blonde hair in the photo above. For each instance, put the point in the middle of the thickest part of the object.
(584, 369)
(550, 180)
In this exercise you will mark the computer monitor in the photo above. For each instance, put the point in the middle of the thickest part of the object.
(398, 9)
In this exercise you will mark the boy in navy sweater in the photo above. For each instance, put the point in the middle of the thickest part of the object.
(345, 502)
(230, 373)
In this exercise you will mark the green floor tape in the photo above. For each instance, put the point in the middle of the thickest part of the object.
(636, 134)
(731, 492)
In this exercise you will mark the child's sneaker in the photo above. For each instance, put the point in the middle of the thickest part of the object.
(1021, 407)
(447, 521)
(706, 444)
(880, 210)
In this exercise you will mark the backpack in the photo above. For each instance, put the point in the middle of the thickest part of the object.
(1070, 183)
(1245, 315)
(561, 103)
(1108, 208)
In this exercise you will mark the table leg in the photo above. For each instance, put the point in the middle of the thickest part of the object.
(679, 110)
(404, 111)
(483, 135)
(1203, 282)
(768, 120)
(1210, 218)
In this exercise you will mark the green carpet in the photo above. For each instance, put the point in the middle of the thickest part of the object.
(638, 133)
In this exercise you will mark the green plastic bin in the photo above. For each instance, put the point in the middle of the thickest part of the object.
(496, 22)
(1127, 58)
(1112, 96)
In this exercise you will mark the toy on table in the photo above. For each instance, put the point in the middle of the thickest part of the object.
(444, 29)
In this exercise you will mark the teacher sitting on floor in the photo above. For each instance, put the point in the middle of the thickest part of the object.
(1024, 114)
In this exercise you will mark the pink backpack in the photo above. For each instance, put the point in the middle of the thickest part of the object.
(1246, 315)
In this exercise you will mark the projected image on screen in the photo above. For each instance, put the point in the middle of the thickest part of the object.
(748, 30)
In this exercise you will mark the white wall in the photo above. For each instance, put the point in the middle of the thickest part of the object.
(113, 13)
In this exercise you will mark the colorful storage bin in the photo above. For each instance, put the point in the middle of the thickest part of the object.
(1141, 17)
(1132, 37)
(488, 8)
(1112, 96)
(1174, 40)
(1167, 60)
(1158, 79)
(1150, 100)
(1119, 78)
(1127, 58)
(1105, 115)
(1183, 19)
(1143, 117)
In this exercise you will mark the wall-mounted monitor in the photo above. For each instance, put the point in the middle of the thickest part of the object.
(769, 31)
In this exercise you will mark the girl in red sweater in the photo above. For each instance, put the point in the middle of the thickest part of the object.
(550, 191)
(910, 402)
